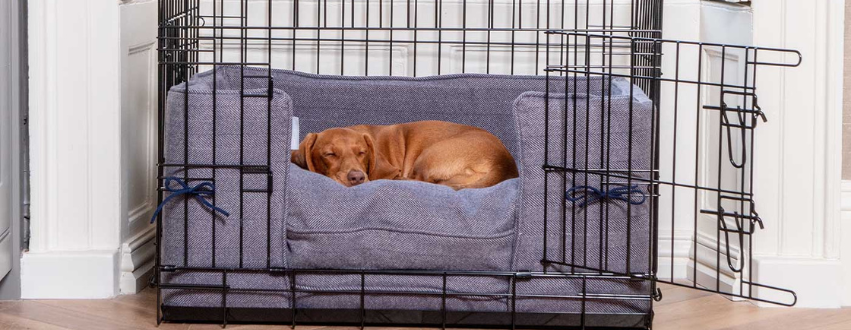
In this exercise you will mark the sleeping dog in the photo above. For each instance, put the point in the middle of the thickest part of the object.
(450, 154)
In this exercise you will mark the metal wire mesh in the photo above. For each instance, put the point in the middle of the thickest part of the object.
(698, 117)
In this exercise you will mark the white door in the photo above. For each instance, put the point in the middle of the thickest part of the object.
(721, 23)
(7, 28)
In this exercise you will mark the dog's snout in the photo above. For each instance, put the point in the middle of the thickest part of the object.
(356, 177)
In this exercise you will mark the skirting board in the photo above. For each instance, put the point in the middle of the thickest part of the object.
(677, 258)
(137, 261)
(846, 241)
(816, 282)
(69, 275)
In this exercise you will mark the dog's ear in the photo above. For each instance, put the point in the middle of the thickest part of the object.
(303, 156)
(378, 167)
(371, 155)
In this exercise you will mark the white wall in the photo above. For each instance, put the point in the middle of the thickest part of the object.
(799, 158)
(403, 51)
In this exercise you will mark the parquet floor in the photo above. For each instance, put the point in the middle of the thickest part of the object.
(680, 309)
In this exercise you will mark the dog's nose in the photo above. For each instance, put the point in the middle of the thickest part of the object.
(356, 177)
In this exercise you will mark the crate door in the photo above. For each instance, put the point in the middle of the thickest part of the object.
(650, 174)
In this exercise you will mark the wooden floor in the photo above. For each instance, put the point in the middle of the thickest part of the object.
(680, 309)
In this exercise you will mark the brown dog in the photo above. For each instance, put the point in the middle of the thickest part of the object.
(450, 154)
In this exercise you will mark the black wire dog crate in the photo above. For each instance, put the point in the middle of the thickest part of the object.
(626, 142)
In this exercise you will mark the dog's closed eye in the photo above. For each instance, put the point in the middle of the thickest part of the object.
(330, 154)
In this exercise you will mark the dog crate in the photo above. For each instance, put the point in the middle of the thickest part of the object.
(625, 142)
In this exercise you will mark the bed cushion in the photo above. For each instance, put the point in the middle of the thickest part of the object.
(211, 141)
(596, 235)
(325, 101)
(388, 224)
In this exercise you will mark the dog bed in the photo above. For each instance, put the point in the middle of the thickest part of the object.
(284, 217)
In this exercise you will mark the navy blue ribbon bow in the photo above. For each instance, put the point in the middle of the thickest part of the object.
(587, 195)
(198, 191)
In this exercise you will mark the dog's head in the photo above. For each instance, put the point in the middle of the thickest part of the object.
(342, 154)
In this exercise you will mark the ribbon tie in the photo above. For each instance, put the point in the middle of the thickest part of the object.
(198, 191)
(590, 195)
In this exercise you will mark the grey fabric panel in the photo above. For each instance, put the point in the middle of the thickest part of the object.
(388, 224)
(338, 113)
(422, 292)
(318, 290)
(325, 101)
(234, 298)
(224, 139)
(573, 287)
(595, 235)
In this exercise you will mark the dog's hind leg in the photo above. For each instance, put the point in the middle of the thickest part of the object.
(464, 163)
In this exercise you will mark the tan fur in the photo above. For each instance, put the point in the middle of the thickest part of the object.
(450, 154)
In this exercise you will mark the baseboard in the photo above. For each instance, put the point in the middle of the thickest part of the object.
(69, 275)
(816, 282)
(707, 277)
(137, 261)
(677, 258)
(845, 242)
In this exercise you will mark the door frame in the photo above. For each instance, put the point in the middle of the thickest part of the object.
(10, 286)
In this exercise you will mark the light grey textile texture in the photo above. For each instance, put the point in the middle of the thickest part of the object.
(316, 223)
(217, 132)
(593, 134)
(325, 101)
(389, 224)
(597, 132)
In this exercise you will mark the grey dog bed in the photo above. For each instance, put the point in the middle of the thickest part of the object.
(315, 223)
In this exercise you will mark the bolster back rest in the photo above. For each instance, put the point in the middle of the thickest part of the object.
(215, 133)
(485, 101)
(595, 235)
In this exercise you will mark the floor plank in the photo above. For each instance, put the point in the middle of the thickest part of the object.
(681, 308)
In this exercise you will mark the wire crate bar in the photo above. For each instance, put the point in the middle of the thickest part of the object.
(624, 139)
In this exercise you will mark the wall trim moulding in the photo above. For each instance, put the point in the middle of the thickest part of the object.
(138, 256)
(69, 275)
(845, 252)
